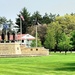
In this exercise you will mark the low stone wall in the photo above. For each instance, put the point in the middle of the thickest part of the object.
(9, 48)
(15, 49)
(34, 51)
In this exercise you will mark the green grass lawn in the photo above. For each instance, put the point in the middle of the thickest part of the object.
(54, 64)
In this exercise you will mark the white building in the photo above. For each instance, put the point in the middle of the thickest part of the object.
(27, 40)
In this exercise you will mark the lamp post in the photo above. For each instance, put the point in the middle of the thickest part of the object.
(21, 28)
(36, 23)
(36, 35)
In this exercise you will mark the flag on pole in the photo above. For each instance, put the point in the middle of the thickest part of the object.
(22, 17)
(5, 26)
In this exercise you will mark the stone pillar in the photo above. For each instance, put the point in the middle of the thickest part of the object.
(8, 35)
(2, 36)
(13, 36)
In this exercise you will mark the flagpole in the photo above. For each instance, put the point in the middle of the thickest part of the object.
(21, 28)
(36, 35)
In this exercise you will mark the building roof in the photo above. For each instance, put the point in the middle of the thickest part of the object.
(27, 36)
(23, 37)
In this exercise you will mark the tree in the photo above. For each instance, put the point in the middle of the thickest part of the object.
(31, 30)
(73, 39)
(10, 25)
(33, 44)
(67, 23)
(26, 22)
(52, 17)
(3, 20)
(57, 31)
(64, 43)
(36, 15)
(46, 19)
(50, 39)
(41, 29)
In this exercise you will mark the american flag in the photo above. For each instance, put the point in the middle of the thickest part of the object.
(22, 17)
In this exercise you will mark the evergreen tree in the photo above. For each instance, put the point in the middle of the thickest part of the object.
(26, 21)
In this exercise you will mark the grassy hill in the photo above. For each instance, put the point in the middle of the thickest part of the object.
(54, 64)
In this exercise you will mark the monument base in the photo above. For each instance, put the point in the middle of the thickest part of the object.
(9, 48)
(17, 50)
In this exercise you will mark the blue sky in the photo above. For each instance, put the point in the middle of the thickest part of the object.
(10, 8)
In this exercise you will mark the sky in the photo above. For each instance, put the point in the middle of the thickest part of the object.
(10, 8)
